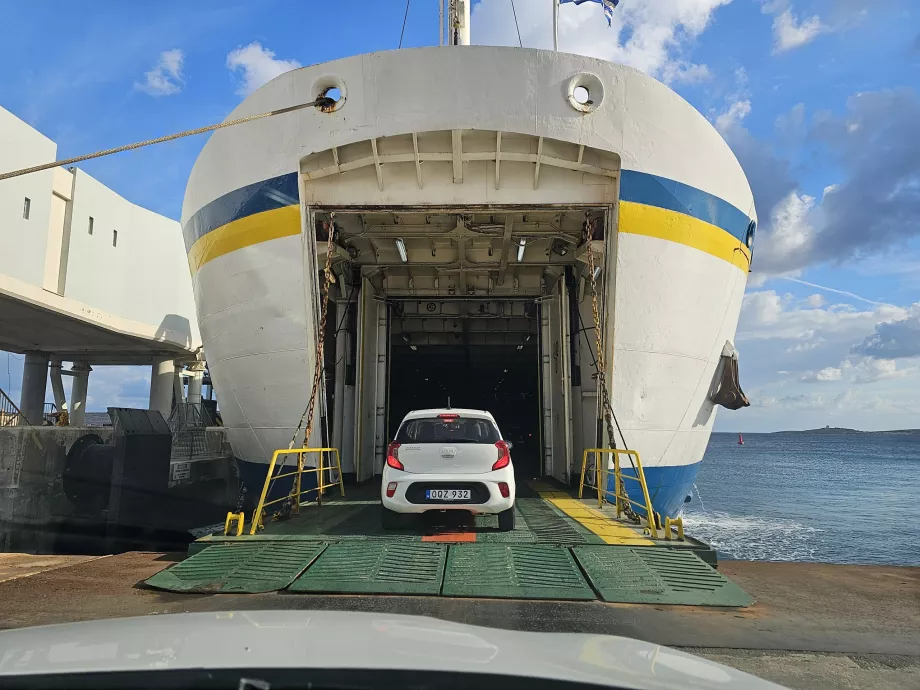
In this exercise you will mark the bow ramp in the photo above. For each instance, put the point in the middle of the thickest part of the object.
(562, 548)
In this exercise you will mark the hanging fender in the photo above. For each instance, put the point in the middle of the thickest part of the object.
(728, 392)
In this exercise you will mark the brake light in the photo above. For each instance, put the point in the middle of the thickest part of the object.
(391, 489)
(504, 489)
(449, 417)
(393, 457)
(504, 455)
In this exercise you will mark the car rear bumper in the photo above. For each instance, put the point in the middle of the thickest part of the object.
(410, 491)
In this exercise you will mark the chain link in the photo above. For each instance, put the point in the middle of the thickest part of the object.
(620, 489)
(308, 414)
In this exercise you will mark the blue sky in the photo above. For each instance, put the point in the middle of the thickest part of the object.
(820, 99)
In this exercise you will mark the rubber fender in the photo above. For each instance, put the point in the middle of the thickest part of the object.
(729, 394)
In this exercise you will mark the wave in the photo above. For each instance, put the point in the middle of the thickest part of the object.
(749, 538)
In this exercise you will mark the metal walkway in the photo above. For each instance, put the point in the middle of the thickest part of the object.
(561, 548)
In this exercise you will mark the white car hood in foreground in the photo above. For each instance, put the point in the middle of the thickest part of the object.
(333, 639)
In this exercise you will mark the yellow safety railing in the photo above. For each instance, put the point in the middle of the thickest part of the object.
(297, 492)
(622, 500)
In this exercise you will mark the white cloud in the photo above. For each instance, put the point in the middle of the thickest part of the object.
(866, 370)
(793, 229)
(825, 374)
(816, 300)
(733, 116)
(896, 338)
(873, 208)
(767, 315)
(258, 66)
(166, 78)
(790, 32)
(650, 36)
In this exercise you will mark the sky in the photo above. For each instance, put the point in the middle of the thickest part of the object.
(819, 99)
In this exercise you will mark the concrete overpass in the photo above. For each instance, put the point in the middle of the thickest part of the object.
(89, 278)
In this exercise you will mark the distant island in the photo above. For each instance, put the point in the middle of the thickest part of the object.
(837, 430)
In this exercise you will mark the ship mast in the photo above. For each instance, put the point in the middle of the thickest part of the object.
(458, 22)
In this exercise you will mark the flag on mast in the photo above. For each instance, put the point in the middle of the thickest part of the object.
(607, 4)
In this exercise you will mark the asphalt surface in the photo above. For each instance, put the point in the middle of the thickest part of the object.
(813, 626)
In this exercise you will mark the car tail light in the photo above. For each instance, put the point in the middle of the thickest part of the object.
(393, 457)
(449, 417)
(504, 455)
(502, 486)
(391, 489)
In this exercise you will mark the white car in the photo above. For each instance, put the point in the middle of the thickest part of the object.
(448, 459)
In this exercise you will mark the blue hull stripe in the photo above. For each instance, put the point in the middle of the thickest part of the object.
(637, 187)
(667, 487)
(267, 195)
(651, 190)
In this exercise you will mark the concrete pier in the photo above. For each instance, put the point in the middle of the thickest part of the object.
(80, 372)
(814, 626)
(34, 383)
(195, 379)
(162, 374)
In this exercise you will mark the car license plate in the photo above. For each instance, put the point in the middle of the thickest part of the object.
(447, 494)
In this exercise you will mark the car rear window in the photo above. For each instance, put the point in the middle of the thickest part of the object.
(437, 430)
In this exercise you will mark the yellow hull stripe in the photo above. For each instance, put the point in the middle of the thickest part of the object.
(245, 232)
(635, 219)
(652, 221)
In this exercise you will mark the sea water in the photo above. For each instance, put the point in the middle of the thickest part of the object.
(829, 497)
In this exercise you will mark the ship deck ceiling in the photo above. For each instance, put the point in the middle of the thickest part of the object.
(492, 253)
(460, 213)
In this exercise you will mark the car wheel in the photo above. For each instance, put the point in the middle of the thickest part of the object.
(390, 519)
(506, 520)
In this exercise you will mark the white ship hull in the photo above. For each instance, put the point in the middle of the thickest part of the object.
(676, 204)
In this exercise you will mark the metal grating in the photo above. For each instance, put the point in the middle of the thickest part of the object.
(519, 571)
(240, 568)
(376, 567)
(644, 575)
(548, 525)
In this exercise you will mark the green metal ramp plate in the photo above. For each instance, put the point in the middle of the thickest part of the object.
(549, 526)
(644, 575)
(519, 571)
(240, 568)
(376, 567)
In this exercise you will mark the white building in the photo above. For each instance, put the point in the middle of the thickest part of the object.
(86, 276)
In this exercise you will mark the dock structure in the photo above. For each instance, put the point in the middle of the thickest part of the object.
(813, 626)
(93, 279)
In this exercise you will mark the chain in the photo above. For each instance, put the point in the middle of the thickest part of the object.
(602, 369)
(308, 414)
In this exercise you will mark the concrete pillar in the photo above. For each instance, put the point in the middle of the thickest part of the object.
(161, 386)
(80, 371)
(178, 389)
(196, 376)
(57, 385)
(34, 382)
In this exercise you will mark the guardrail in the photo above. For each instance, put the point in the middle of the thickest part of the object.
(297, 490)
(621, 499)
(9, 413)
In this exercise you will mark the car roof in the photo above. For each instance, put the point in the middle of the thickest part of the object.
(463, 412)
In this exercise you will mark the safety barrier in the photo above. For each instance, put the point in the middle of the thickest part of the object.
(623, 502)
(297, 490)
